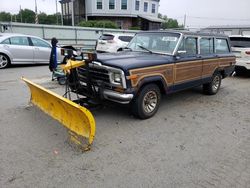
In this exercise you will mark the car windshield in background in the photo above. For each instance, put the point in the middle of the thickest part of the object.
(163, 43)
(107, 37)
(240, 42)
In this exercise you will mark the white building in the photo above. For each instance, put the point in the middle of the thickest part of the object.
(126, 13)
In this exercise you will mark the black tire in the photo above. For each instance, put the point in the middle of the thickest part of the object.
(4, 61)
(213, 87)
(61, 80)
(147, 102)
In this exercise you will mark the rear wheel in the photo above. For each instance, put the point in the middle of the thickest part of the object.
(4, 61)
(147, 102)
(214, 86)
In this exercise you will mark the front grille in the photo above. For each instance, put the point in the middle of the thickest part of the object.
(98, 74)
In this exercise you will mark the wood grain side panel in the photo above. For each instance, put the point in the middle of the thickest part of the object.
(188, 71)
(165, 71)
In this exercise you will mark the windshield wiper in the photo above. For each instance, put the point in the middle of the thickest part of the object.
(142, 47)
(128, 48)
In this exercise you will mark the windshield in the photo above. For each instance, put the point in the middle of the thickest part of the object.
(241, 42)
(163, 43)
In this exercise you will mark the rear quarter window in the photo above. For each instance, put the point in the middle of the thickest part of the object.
(107, 37)
(6, 41)
(221, 46)
(241, 42)
(125, 38)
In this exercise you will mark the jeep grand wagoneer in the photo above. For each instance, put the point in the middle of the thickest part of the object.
(156, 63)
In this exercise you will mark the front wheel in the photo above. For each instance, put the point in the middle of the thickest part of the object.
(4, 61)
(146, 103)
(214, 86)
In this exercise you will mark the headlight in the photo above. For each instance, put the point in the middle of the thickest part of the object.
(117, 77)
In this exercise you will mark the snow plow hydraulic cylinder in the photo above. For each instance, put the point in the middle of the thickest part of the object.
(77, 119)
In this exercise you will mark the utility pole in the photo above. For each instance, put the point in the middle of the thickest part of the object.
(56, 14)
(36, 18)
(72, 15)
(185, 19)
(21, 14)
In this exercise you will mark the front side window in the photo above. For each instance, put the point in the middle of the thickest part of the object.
(137, 5)
(145, 6)
(206, 46)
(112, 4)
(163, 43)
(99, 4)
(124, 5)
(23, 41)
(221, 46)
(40, 43)
(189, 45)
(153, 8)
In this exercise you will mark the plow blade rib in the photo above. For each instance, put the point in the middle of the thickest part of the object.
(77, 119)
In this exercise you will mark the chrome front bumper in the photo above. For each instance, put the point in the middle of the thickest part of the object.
(121, 98)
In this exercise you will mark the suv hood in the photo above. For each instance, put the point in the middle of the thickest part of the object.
(133, 60)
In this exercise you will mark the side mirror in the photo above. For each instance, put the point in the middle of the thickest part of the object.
(181, 52)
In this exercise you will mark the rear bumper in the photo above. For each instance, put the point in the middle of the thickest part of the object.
(243, 63)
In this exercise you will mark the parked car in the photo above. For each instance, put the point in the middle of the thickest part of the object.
(156, 63)
(24, 49)
(241, 48)
(112, 42)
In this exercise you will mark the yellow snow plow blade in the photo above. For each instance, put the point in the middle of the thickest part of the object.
(79, 121)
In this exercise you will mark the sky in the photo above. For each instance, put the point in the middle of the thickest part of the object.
(199, 13)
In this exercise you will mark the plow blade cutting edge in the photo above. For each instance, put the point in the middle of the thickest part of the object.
(79, 121)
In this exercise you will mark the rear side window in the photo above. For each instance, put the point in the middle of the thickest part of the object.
(6, 41)
(39, 43)
(125, 38)
(206, 46)
(107, 37)
(221, 46)
(240, 42)
(23, 41)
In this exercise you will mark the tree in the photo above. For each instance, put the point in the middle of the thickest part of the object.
(169, 22)
(28, 16)
(5, 17)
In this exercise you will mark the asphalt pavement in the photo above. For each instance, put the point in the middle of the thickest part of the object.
(194, 140)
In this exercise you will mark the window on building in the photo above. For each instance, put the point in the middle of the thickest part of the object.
(137, 5)
(124, 5)
(145, 6)
(112, 4)
(206, 46)
(153, 8)
(99, 4)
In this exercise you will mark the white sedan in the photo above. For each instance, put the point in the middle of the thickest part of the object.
(24, 49)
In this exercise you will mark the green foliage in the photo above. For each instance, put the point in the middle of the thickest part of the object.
(28, 16)
(5, 16)
(99, 24)
(135, 28)
(49, 19)
(169, 22)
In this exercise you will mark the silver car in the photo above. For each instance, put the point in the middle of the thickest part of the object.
(23, 49)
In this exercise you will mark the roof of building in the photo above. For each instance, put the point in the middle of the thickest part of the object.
(151, 18)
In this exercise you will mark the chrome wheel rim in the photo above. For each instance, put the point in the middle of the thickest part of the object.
(3, 61)
(216, 83)
(150, 101)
